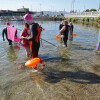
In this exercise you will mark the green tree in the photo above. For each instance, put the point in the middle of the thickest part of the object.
(26, 10)
(42, 13)
(92, 10)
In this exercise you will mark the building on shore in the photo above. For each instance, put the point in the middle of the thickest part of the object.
(11, 13)
(23, 9)
(92, 14)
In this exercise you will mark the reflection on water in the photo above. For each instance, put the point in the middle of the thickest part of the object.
(70, 74)
(11, 54)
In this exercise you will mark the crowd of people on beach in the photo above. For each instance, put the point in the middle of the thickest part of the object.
(30, 36)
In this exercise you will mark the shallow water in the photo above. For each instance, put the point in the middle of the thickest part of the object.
(72, 74)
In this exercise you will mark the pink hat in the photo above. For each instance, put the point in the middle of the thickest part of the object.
(7, 23)
(28, 17)
(70, 23)
(62, 22)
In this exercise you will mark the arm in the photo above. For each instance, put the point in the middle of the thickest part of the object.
(62, 30)
(71, 32)
(21, 36)
(33, 32)
(99, 25)
(59, 27)
(16, 33)
(3, 34)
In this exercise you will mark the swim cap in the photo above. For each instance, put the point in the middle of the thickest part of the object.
(7, 23)
(28, 17)
(70, 23)
(62, 22)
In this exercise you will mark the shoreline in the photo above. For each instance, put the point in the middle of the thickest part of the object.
(85, 20)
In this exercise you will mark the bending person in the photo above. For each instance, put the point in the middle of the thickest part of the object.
(5, 32)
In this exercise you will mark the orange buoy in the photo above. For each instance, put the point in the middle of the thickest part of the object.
(57, 35)
(32, 62)
(74, 34)
(43, 29)
(61, 36)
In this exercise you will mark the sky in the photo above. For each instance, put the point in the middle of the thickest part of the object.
(49, 5)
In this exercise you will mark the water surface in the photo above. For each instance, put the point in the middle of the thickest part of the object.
(72, 74)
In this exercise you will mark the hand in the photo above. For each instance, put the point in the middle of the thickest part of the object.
(28, 38)
(22, 37)
(19, 42)
(3, 39)
(25, 38)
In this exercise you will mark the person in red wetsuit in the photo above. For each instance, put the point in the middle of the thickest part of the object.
(34, 38)
(25, 44)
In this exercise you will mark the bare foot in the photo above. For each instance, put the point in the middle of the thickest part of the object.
(19, 67)
(43, 66)
(34, 70)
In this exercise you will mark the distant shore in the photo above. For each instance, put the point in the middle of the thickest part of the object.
(84, 20)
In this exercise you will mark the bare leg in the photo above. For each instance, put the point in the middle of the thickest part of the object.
(27, 49)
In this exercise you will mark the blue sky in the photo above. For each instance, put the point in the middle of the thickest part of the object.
(52, 5)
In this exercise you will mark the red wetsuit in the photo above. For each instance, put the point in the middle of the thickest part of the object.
(25, 33)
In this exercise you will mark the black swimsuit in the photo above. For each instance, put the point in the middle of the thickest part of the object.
(34, 39)
(5, 32)
(65, 33)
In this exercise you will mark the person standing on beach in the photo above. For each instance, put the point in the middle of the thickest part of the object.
(5, 32)
(99, 26)
(34, 38)
(60, 27)
(65, 30)
(99, 29)
(25, 44)
(71, 31)
(98, 42)
(15, 32)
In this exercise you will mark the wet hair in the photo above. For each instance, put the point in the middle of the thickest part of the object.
(65, 22)
(26, 25)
